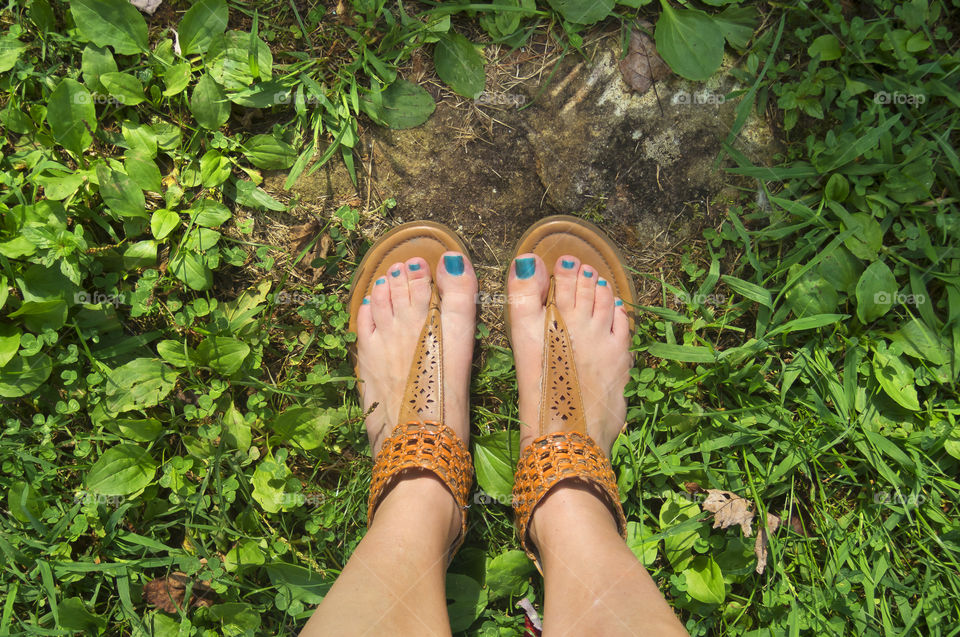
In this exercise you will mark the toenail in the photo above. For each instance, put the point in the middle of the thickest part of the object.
(618, 303)
(366, 300)
(587, 273)
(454, 264)
(526, 267)
(567, 265)
(381, 281)
(602, 282)
(395, 273)
(414, 267)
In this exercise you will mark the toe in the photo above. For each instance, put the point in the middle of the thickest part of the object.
(399, 288)
(603, 305)
(621, 323)
(418, 277)
(457, 282)
(527, 285)
(380, 302)
(586, 290)
(365, 323)
(565, 270)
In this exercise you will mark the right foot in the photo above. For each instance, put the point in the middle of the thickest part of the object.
(599, 333)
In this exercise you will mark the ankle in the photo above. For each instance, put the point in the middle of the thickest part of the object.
(570, 513)
(419, 503)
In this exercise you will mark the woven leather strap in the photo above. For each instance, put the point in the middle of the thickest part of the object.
(560, 456)
(425, 445)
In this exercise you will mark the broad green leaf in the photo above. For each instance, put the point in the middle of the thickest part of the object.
(41, 315)
(96, 61)
(9, 341)
(737, 25)
(465, 601)
(680, 533)
(139, 429)
(122, 196)
(209, 213)
(406, 105)
(246, 193)
(827, 47)
(303, 585)
(919, 341)
(228, 60)
(683, 353)
(163, 222)
(201, 22)
(214, 169)
(644, 548)
(236, 432)
(42, 15)
(582, 11)
(190, 268)
(459, 65)
(837, 188)
(245, 553)
(74, 616)
(223, 353)
(177, 353)
(841, 269)
(272, 482)
(307, 427)
(114, 23)
(176, 78)
(72, 116)
(209, 103)
(10, 50)
(495, 460)
(689, 41)
(141, 383)
(704, 580)
(896, 379)
(238, 618)
(867, 238)
(811, 295)
(876, 292)
(270, 153)
(144, 172)
(123, 469)
(507, 573)
(23, 502)
(140, 138)
(24, 375)
(126, 88)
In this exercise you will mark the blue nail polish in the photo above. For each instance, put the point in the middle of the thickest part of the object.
(587, 273)
(395, 273)
(526, 267)
(454, 264)
(602, 282)
(381, 281)
(366, 300)
(414, 267)
(618, 303)
(567, 265)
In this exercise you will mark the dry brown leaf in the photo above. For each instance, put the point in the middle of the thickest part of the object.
(760, 546)
(642, 66)
(167, 593)
(728, 509)
(301, 235)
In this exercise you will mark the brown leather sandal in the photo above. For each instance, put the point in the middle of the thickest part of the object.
(568, 452)
(420, 440)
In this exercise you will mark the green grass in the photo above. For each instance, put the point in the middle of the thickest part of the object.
(173, 402)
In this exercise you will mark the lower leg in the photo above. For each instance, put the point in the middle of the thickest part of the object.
(593, 582)
(393, 583)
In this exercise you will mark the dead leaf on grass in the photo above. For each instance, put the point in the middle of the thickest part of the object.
(728, 509)
(642, 66)
(167, 593)
(760, 546)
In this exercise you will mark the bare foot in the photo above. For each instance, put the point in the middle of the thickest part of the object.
(599, 335)
(388, 327)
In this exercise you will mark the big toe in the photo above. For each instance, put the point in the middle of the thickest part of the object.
(527, 286)
(457, 282)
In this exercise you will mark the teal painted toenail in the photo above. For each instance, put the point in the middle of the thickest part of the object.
(567, 265)
(618, 303)
(366, 300)
(602, 282)
(526, 267)
(381, 281)
(454, 264)
(414, 267)
(395, 273)
(587, 273)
